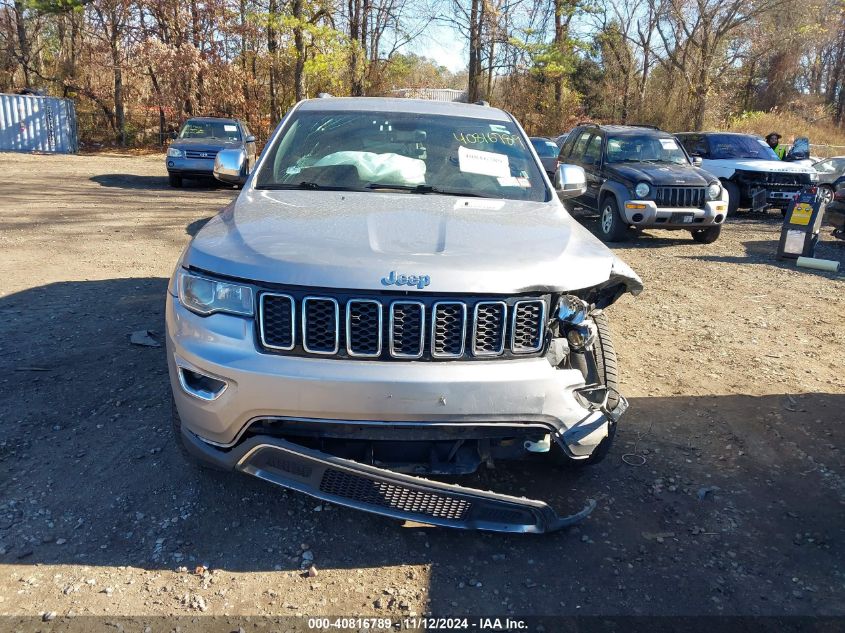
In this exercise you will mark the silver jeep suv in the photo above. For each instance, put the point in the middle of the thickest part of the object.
(397, 292)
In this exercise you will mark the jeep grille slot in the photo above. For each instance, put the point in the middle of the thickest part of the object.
(277, 316)
(320, 331)
(689, 197)
(527, 328)
(363, 328)
(488, 335)
(448, 329)
(385, 327)
(407, 329)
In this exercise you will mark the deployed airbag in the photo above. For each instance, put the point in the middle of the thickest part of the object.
(393, 169)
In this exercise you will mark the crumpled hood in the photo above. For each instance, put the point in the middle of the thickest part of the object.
(354, 240)
(662, 174)
(772, 166)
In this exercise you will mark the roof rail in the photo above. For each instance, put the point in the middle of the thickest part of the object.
(645, 125)
(583, 123)
(324, 95)
(482, 102)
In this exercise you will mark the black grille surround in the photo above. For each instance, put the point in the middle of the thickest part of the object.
(400, 326)
(681, 197)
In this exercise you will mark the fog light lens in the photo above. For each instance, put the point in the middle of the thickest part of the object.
(582, 336)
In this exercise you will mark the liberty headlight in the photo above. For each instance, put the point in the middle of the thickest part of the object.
(714, 191)
(642, 190)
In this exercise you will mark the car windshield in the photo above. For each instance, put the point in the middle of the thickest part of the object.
(727, 146)
(227, 130)
(388, 151)
(644, 148)
(545, 148)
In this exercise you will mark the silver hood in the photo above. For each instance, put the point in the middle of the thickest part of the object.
(352, 240)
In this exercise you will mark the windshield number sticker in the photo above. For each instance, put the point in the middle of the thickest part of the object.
(230, 128)
(668, 143)
(473, 161)
(478, 138)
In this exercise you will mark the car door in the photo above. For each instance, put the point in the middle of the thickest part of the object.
(573, 154)
(592, 163)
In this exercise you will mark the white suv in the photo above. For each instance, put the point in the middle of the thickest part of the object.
(754, 177)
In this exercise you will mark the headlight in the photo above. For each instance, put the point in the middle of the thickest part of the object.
(572, 310)
(642, 190)
(205, 296)
(175, 152)
(714, 191)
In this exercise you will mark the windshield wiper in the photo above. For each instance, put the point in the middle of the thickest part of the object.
(424, 189)
(306, 184)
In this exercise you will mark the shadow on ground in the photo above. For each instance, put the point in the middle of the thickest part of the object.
(135, 181)
(737, 508)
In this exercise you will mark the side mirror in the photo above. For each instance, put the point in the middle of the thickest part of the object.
(697, 161)
(229, 166)
(249, 139)
(570, 181)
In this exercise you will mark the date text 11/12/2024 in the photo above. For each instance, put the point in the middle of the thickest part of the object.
(418, 623)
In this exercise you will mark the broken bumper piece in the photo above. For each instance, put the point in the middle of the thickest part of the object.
(355, 485)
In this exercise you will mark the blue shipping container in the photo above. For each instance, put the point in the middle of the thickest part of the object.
(30, 123)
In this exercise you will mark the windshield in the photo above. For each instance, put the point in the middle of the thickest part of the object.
(227, 130)
(545, 148)
(642, 148)
(374, 151)
(739, 146)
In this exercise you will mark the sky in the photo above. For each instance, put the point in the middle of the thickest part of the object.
(443, 44)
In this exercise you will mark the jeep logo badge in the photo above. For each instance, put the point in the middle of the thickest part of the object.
(420, 281)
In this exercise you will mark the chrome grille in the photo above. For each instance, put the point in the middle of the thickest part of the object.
(209, 154)
(488, 333)
(277, 318)
(527, 327)
(430, 328)
(448, 329)
(363, 328)
(320, 331)
(689, 197)
(407, 329)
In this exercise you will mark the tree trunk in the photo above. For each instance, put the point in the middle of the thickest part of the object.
(299, 44)
(160, 101)
(272, 46)
(559, 42)
(474, 51)
(23, 41)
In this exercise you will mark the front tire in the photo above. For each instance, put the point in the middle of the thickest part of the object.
(708, 235)
(611, 225)
(733, 197)
(827, 193)
(175, 180)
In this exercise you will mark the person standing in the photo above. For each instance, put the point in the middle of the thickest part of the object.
(773, 141)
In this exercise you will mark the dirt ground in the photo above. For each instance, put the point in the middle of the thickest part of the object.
(733, 363)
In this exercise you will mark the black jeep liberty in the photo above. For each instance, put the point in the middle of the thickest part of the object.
(642, 177)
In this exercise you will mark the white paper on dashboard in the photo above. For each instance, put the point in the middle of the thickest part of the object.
(473, 161)
(230, 128)
(668, 143)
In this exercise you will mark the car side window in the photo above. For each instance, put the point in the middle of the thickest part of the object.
(592, 155)
(695, 145)
(580, 146)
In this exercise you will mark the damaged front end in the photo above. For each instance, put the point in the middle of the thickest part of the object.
(447, 420)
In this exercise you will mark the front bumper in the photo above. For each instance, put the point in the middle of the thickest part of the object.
(190, 166)
(384, 492)
(643, 213)
(259, 386)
